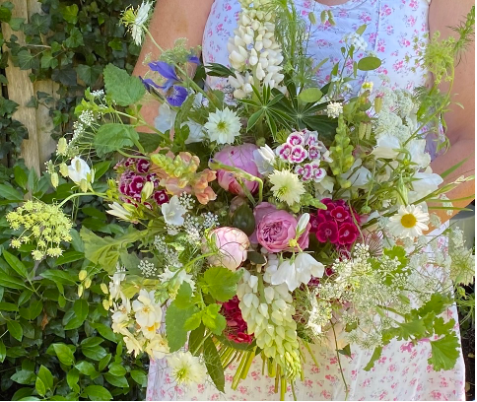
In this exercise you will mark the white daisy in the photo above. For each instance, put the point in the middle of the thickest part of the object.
(186, 369)
(287, 186)
(409, 221)
(223, 126)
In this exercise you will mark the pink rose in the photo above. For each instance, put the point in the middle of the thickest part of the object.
(262, 209)
(232, 245)
(241, 157)
(276, 229)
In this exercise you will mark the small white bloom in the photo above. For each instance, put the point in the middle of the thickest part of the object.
(115, 285)
(409, 222)
(287, 186)
(387, 147)
(173, 212)
(186, 369)
(418, 154)
(264, 158)
(136, 21)
(118, 211)
(223, 126)
(148, 312)
(120, 316)
(424, 183)
(79, 170)
(158, 347)
(166, 118)
(358, 175)
(133, 345)
(334, 109)
(177, 277)
(196, 132)
(302, 224)
(151, 331)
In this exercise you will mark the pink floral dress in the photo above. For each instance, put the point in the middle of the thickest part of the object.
(396, 32)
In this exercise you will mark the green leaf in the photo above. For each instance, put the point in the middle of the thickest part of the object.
(346, 351)
(253, 119)
(40, 386)
(75, 39)
(81, 310)
(26, 60)
(3, 351)
(123, 88)
(117, 369)
(22, 393)
(114, 136)
(445, 352)
(140, 377)
(21, 178)
(97, 393)
(70, 14)
(32, 311)
(64, 353)
(361, 29)
(150, 142)
(175, 320)
(45, 375)
(104, 362)
(213, 320)
(94, 352)
(24, 377)
(86, 368)
(376, 355)
(58, 276)
(116, 381)
(91, 342)
(4, 306)
(222, 283)
(69, 256)
(9, 193)
(193, 322)
(5, 14)
(195, 340)
(184, 296)
(16, 264)
(101, 168)
(72, 378)
(310, 95)
(214, 364)
(11, 282)
(105, 331)
(89, 74)
(15, 330)
(369, 63)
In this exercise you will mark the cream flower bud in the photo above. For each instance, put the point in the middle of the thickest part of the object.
(64, 169)
(54, 179)
(147, 190)
(62, 147)
(82, 275)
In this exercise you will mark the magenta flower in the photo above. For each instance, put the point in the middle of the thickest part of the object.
(143, 165)
(318, 174)
(311, 138)
(327, 231)
(298, 154)
(339, 214)
(295, 138)
(136, 185)
(241, 157)
(348, 233)
(284, 151)
(313, 153)
(160, 197)
(236, 329)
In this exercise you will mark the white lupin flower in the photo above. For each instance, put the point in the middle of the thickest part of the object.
(223, 126)
(287, 186)
(264, 158)
(148, 312)
(173, 211)
(302, 224)
(409, 222)
(79, 170)
(186, 369)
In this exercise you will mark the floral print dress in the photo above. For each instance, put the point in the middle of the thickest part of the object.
(397, 31)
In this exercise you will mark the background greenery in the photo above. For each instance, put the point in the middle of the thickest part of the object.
(55, 345)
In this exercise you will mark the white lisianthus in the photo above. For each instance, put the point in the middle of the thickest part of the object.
(409, 222)
(387, 147)
(264, 158)
(296, 272)
(186, 369)
(223, 126)
(173, 212)
(158, 347)
(287, 186)
(79, 170)
(166, 118)
(148, 312)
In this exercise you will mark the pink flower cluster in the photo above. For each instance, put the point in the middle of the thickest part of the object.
(336, 224)
(303, 149)
(236, 329)
(135, 173)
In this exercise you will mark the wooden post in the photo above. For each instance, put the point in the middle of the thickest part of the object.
(37, 149)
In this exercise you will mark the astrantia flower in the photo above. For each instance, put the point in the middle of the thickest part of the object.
(409, 221)
(186, 369)
(223, 126)
(173, 212)
(135, 21)
(287, 187)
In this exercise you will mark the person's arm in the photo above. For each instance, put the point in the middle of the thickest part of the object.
(171, 20)
(445, 14)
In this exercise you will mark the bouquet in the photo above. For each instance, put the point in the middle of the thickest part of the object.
(267, 215)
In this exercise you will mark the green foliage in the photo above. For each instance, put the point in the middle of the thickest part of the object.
(56, 345)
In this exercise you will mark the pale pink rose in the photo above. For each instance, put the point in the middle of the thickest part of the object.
(262, 209)
(276, 229)
(232, 245)
(241, 157)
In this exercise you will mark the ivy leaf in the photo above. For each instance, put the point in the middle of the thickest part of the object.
(445, 352)
(221, 283)
(369, 63)
(175, 321)
(114, 136)
(89, 74)
(66, 76)
(5, 14)
(214, 364)
(123, 88)
(75, 39)
(70, 13)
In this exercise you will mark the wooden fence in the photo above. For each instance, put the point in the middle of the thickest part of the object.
(39, 146)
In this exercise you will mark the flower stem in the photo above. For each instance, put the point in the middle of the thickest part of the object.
(339, 362)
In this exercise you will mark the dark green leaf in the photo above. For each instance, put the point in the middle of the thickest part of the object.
(184, 296)
(89, 74)
(15, 263)
(32, 310)
(116, 381)
(11, 282)
(175, 320)
(9, 193)
(310, 95)
(69, 256)
(100, 169)
(346, 351)
(140, 377)
(376, 355)
(4, 306)
(105, 331)
(91, 342)
(97, 393)
(94, 352)
(117, 370)
(70, 13)
(15, 330)
(222, 283)
(123, 89)
(21, 178)
(24, 377)
(214, 364)
(86, 368)
(3, 351)
(64, 353)
(369, 63)
(75, 39)
(195, 340)
(114, 136)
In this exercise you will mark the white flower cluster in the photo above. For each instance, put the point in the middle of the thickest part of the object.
(254, 52)
(269, 316)
(147, 268)
(356, 40)
(170, 255)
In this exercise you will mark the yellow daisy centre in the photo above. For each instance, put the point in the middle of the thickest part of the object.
(408, 221)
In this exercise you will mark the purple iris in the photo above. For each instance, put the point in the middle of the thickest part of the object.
(175, 94)
(193, 59)
(149, 84)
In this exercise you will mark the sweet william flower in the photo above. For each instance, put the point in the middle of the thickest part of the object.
(231, 245)
(173, 212)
